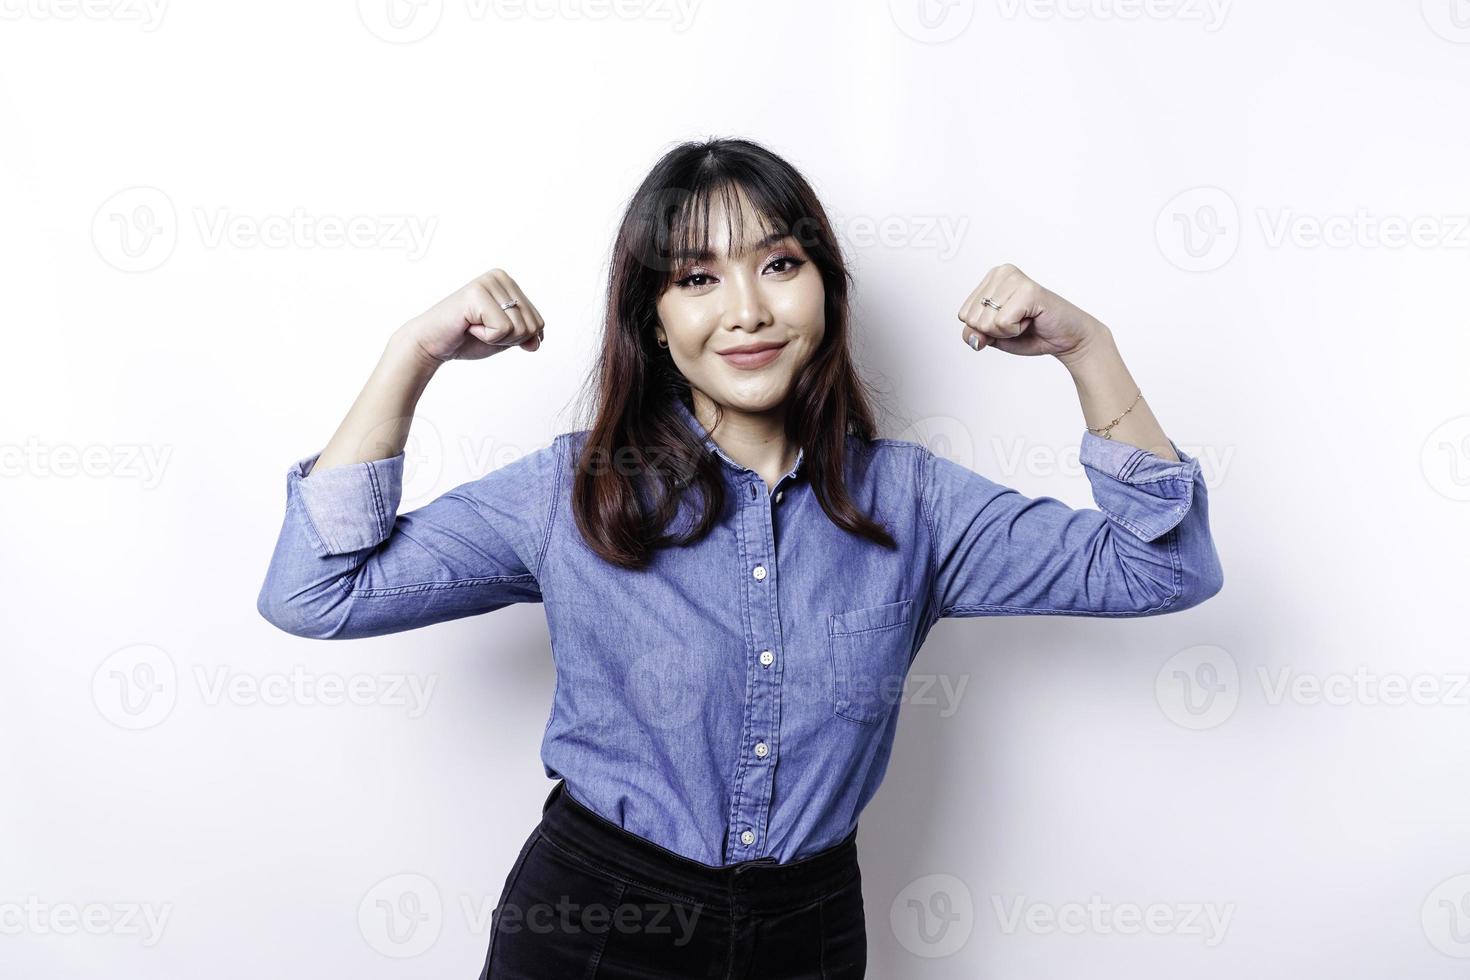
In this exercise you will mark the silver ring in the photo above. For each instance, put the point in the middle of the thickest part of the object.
(506, 306)
(985, 300)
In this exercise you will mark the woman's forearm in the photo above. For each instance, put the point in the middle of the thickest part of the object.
(377, 425)
(1106, 389)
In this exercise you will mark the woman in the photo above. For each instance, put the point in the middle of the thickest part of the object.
(736, 572)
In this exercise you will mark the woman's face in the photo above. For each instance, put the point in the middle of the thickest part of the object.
(768, 296)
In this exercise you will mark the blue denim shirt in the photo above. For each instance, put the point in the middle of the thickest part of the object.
(738, 698)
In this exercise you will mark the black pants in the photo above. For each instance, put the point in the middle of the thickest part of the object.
(587, 899)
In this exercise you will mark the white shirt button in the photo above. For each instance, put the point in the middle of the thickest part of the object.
(778, 495)
(759, 573)
(747, 838)
(761, 750)
(766, 658)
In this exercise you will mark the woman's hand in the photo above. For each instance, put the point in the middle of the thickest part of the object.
(469, 324)
(1031, 320)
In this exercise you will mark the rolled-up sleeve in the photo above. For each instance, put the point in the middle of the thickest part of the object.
(347, 565)
(1146, 549)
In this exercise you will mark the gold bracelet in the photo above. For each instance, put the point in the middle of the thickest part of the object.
(1106, 431)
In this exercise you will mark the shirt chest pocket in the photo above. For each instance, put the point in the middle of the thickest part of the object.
(869, 648)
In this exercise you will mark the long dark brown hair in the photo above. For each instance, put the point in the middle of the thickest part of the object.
(640, 457)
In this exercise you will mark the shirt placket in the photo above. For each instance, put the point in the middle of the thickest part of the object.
(755, 769)
(750, 803)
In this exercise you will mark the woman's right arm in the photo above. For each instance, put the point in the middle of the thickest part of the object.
(345, 563)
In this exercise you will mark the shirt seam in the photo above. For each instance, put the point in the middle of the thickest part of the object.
(442, 586)
(555, 494)
(379, 514)
(326, 547)
(926, 457)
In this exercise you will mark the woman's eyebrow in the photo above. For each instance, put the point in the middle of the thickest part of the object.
(705, 255)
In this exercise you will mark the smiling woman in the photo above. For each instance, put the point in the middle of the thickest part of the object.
(735, 605)
(726, 260)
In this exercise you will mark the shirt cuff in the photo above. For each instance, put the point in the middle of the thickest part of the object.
(1137, 489)
(349, 507)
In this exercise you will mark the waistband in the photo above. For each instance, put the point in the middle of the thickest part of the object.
(759, 884)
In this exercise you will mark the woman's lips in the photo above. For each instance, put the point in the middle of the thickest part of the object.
(754, 359)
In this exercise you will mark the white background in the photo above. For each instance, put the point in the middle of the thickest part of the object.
(1222, 186)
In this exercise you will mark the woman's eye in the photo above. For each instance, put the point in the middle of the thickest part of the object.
(689, 281)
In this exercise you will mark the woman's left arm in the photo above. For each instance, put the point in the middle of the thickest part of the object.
(1031, 320)
(1145, 550)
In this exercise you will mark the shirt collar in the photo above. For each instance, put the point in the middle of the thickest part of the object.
(699, 430)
